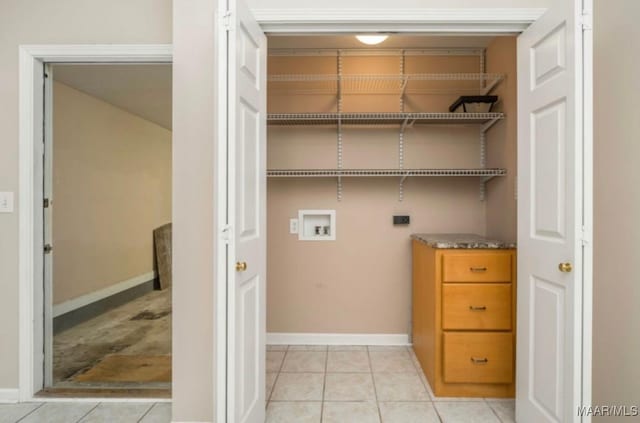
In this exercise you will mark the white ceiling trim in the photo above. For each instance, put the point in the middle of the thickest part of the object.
(100, 53)
(461, 20)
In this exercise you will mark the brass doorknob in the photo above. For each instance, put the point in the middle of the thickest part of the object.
(241, 266)
(565, 267)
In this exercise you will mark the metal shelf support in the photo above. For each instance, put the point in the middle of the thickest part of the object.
(339, 108)
(483, 155)
(492, 85)
(401, 158)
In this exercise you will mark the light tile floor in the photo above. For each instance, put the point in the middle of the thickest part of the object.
(337, 384)
(86, 412)
(316, 384)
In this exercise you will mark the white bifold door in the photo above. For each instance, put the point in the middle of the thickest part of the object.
(245, 117)
(553, 54)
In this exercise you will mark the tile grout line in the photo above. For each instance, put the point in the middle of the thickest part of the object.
(273, 388)
(424, 381)
(493, 410)
(30, 412)
(147, 412)
(373, 380)
(88, 412)
(324, 384)
(416, 365)
(437, 412)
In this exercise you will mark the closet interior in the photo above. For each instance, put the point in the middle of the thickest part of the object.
(369, 146)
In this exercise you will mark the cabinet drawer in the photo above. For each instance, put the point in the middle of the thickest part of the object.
(476, 268)
(476, 306)
(478, 357)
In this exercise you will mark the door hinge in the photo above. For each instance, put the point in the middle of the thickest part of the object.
(585, 237)
(226, 233)
(45, 203)
(48, 248)
(226, 20)
(586, 21)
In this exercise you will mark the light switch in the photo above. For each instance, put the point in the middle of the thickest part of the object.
(293, 226)
(6, 202)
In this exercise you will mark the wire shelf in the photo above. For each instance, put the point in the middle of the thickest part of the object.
(395, 119)
(320, 173)
(423, 83)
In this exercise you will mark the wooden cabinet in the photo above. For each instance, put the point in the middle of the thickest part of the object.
(464, 319)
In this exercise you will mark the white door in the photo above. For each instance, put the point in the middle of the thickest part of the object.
(551, 72)
(247, 136)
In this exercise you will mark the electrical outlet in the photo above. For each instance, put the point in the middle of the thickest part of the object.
(6, 202)
(293, 226)
(401, 220)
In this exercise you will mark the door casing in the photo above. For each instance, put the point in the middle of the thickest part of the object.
(33, 310)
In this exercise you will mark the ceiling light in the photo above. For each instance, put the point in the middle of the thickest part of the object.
(372, 39)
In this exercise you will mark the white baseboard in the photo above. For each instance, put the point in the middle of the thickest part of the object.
(9, 395)
(92, 297)
(337, 339)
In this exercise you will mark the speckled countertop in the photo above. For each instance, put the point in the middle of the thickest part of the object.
(461, 241)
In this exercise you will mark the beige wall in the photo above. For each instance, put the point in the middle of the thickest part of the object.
(42, 22)
(194, 199)
(616, 296)
(502, 142)
(111, 189)
(361, 283)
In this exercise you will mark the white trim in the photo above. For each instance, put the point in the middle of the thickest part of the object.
(274, 338)
(32, 58)
(92, 297)
(27, 261)
(223, 233)
(587, 192)
(103, 53)
(9, 395)
(47, 226)
(477, 20)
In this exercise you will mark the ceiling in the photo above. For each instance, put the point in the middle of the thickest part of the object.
(143, 90)
(394, 41)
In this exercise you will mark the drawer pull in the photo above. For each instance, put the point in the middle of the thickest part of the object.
(475, 360)
(478, 269)
(477, 308)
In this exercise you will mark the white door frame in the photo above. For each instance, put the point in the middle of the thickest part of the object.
(30, 249)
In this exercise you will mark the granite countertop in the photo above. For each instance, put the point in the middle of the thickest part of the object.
(461, 241)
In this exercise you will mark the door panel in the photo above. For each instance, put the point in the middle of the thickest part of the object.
(248, 176)
(549, 56)
(246, 110)
(550, 149)
(548, 345)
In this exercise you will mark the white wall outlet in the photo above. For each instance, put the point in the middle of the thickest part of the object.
(293, 226)
(6, 202)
